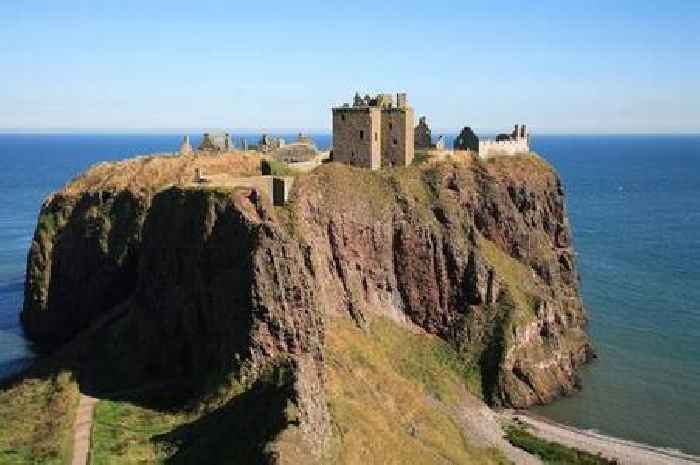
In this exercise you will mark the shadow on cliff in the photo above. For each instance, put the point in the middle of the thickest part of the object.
(178, 312)
(99, 235)
(239, 431)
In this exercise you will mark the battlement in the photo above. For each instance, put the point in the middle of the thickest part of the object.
(381, 101)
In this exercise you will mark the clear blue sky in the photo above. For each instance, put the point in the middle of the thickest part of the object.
(586, 66)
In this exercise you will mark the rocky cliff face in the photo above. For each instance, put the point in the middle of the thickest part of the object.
(205, 283)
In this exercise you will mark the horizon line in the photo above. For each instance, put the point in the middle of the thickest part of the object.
(324, 131)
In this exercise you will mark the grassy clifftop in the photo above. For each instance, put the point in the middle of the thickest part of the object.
(154, 173)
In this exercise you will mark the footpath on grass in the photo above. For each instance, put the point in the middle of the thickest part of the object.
(82, 429)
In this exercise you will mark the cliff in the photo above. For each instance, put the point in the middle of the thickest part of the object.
(215, 289)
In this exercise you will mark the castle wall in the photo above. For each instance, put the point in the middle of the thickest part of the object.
(489, 148)
(397, 136)
(357, 136)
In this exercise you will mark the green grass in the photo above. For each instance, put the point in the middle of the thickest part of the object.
(552, 453)
(123, 433)
(36, 420)
(238, 429)
(392, 394)
(427, 360)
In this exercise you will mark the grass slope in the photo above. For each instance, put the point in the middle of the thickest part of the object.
(36, 420)
(391, 396)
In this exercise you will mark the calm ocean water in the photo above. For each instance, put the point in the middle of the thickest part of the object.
(634, 202)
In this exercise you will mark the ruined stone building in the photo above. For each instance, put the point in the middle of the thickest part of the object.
(269, 143)
(302, 150)
(423, 137)
(467, 140)
(514, 143)
(215, 143)
(374, 132)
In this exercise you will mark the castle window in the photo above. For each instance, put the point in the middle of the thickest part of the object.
(375, 136)
(342, 117)
(396, 142)
(390, 126)
(362, 134)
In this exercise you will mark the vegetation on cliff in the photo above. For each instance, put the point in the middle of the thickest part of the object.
(553, 453)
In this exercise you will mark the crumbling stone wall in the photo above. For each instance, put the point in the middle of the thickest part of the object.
(422, 135)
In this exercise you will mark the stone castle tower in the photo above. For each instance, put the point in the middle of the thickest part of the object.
(374, 132)
(422, 134)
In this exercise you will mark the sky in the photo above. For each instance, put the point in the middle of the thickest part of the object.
(571, 67)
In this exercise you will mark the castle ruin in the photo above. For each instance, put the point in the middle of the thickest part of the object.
(467, 140)
(374, 132)
(269, 143)
(514, 143)
(215, 143)
(423, 137)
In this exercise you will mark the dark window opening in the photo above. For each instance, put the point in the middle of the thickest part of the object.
(390, 126)
(395, 141)
(342, 117)
(375, 136)
(362, 134)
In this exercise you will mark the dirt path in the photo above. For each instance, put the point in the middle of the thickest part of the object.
(626, 452)
(482, 425)
(81, 429)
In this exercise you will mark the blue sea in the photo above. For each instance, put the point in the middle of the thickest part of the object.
(634, 203)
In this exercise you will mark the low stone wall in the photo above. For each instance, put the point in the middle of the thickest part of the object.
(276, 188)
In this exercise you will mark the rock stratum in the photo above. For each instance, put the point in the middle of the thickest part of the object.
(146, 279)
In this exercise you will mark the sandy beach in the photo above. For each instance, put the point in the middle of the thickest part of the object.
(626, 452)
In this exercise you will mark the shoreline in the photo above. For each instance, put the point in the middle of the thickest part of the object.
(626, 452)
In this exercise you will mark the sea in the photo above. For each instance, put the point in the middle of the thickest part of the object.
(634, 204)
